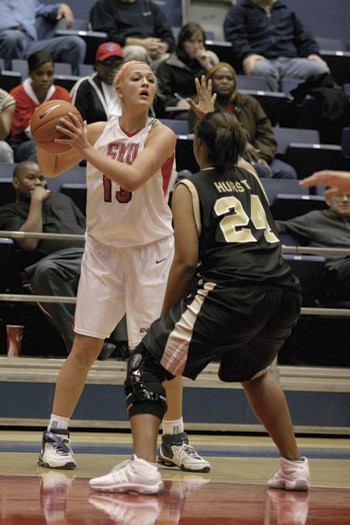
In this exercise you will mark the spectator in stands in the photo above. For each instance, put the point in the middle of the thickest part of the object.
(329, 228)
(19, 36)
(176, 74)
(139, 26)
(35, 90)
(95, 96)
(51, 266)
(269, 40)
(261, 142)
(7, 109)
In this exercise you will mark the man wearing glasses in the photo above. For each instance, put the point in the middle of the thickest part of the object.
(328, 228)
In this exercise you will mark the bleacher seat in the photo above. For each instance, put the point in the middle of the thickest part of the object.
(223, 50)
(307, 158)
(285, 206)
(77, 192)
(74, 175)
(21, 66)
(345, 142)
(9, 79)
(66, 81)
(6, 249)
(6, 169)
(180, 127)
(92, 38)
(209, 14)
(339, 64)
(61, 68)
(252, 82)
(7, 192)
(273, 103)
(85, 70)
(79, 24)
(331, 44)
(308, 269)
(288, 84)
(284, 136)
(274, 187)
(185, 159)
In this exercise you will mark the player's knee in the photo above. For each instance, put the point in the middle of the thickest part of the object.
(143, 385)
(259, 376)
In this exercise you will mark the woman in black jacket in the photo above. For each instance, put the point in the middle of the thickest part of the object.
(176, 74)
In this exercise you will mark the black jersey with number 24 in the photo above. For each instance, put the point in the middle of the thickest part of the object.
(238, 240)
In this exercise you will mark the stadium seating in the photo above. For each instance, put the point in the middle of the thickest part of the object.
(61, 68)
(180, 127)
(285, 136)
(77, 192)
(9, 79)
(252, 82)
(308, 158)
(331, 44)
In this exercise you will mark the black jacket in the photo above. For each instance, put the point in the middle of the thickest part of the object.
(141, 19)
(176, 79)
(87, 96)
(281, 34)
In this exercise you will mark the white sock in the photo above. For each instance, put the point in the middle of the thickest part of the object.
(58, 422)
(173, 427)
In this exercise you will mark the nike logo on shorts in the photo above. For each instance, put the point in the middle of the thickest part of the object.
(160, 260)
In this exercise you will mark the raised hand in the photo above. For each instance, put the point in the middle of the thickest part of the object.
(205, 99)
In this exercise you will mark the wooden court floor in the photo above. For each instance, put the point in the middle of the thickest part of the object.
(234, 492)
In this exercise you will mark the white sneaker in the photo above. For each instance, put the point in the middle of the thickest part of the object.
(291, 475)
(127, 509)
(183, 484)
(133, 475)
(54, 487)
(55, 450)
(292, 508)
(175, 451)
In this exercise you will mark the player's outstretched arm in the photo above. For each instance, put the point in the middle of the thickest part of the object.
(339, 181)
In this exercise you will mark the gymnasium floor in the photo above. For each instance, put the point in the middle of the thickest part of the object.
(235, 492)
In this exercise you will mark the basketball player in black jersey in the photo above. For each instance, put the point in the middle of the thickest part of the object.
(244, 308)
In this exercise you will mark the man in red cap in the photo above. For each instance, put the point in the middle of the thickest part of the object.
(95, 95)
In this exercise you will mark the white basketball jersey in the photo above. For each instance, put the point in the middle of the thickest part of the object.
(119, 217)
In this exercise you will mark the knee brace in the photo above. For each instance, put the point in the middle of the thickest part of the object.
(143, 385)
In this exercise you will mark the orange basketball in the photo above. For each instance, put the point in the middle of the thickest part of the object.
(44, 121)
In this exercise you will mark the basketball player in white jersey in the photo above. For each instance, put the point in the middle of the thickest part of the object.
(128, 252)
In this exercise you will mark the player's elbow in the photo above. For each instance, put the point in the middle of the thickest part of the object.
(132, 186)
(27, 245)
(186, 266)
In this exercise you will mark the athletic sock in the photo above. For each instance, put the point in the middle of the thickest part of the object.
(173, 427)
(58, 422)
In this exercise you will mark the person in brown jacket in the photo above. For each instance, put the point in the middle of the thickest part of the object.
(261, 148)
